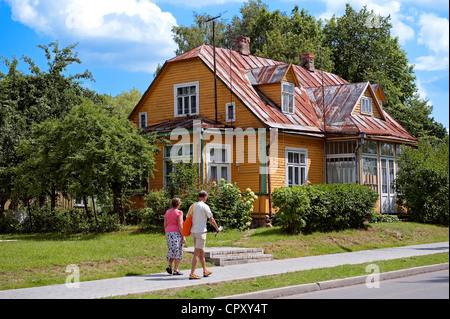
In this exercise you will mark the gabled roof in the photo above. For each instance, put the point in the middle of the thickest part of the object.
(340, 101)
(243, 73)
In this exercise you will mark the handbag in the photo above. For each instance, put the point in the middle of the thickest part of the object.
(188, 222)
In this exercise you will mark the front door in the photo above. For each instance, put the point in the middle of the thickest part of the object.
(388, 197)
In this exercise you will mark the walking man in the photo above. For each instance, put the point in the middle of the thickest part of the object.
(201, 214)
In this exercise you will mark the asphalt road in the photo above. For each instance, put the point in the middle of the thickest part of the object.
(433, 285)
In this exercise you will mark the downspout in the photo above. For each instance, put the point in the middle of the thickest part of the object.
(269, 189)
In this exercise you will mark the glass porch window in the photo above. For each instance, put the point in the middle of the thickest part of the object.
(341, 162)
(369, 162)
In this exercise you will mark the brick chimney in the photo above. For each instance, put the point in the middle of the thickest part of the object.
(308, 61)
(241, 44)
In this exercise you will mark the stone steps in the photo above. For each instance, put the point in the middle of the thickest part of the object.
(224, 256)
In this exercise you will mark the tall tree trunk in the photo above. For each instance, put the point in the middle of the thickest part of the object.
(53, 196)
(95, 210)
(86, 208)
(118, 205)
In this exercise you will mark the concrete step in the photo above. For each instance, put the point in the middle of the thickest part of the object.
(223, 256)
(235, 259)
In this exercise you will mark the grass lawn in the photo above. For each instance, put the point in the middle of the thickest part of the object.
(37, 260)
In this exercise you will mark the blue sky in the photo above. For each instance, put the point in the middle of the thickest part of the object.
(122, 41)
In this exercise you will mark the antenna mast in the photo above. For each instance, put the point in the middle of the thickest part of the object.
(215, 69)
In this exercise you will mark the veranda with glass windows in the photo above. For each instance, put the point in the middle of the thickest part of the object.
(372, 163)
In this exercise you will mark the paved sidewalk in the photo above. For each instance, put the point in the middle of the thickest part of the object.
(162, 281)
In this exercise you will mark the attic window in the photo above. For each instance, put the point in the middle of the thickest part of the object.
(287, 97)
(142, 119)
(366, 105)
(186, 99)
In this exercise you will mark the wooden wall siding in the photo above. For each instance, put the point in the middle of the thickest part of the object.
(315, 161)
(272, 91)
(159, 101)
(375, 111)
(290, 76)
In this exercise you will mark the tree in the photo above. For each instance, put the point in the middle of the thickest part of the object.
(124, 102)
(363, 49)
(287, 37)
(34, 97)
(94, 152)
(423, 182)
(199, 33)
(274, 35)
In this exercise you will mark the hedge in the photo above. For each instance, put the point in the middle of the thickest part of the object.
(324, 208)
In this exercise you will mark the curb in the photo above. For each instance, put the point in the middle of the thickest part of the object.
(337, 283)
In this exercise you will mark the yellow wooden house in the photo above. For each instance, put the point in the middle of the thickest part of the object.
(266, 124)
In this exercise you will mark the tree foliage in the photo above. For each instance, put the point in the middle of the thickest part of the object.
(34, 97)
(89, 153)
(423, 182)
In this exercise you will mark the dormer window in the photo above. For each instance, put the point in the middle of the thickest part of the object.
(186, 99)
(366, 105)
(287, 97)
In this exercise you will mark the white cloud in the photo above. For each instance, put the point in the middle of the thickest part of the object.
(117, 32)
(381, 7)
(434, 34)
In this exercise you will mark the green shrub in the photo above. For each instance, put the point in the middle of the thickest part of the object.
(383, 218)
(422, 182)
(64, 221)
(158, 201)
(230, 208)
(323, 207)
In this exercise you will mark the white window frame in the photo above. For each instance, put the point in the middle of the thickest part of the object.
(366, 105)
(300, 165)
(217, 161)
(140, 122)
(231, 118)
(175, 99)
(288, 109)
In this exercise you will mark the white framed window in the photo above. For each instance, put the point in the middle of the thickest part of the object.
(287, 97)
(218, 160)
(186, 99)
(231, 112)
(174, 154)
(296, 166)
(142, 119)
(366, 105)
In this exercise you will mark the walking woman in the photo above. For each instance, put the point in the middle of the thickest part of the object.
(173, 225)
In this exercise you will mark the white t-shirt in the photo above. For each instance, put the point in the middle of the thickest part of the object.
(200, 216)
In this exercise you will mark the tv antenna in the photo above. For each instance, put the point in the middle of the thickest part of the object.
(213, 19)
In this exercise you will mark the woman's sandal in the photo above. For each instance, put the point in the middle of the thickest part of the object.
(207, 273)
(194, 276)
(177, 273)
(169, 270)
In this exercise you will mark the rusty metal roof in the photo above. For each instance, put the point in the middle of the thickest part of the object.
(340, 101)
(243, 73)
